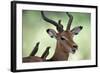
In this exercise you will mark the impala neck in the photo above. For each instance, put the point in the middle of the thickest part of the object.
(59, 55)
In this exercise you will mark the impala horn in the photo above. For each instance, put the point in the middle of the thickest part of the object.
(58, 25)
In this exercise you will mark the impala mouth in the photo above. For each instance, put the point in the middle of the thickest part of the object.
(73, 50)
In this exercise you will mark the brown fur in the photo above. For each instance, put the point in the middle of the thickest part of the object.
(62, 53)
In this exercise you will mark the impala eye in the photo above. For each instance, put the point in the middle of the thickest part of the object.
(62, 38)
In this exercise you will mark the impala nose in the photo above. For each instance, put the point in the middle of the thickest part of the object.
(75, 46)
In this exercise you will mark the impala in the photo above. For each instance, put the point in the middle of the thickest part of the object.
(33, 58)
(65, 43)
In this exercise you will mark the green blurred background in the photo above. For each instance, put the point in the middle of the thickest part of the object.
(34, 30)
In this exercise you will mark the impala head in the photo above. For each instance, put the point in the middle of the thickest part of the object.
(64, 37)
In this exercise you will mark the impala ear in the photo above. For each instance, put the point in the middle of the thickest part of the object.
(52, 33)
(76, 30)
